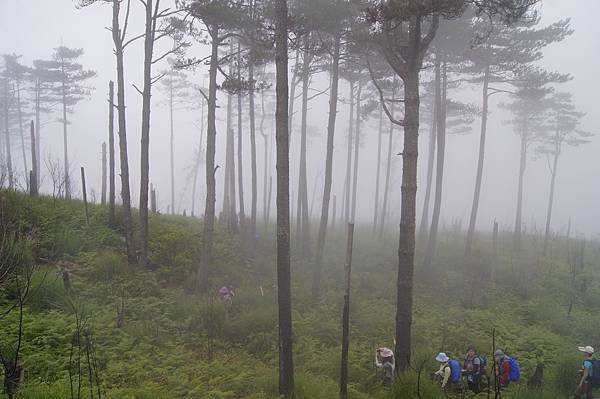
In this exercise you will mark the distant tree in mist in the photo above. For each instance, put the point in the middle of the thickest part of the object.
(561, 128)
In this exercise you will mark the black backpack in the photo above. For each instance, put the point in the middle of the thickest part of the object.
(594, 379)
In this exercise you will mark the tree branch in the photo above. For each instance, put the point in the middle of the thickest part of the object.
(381, 97)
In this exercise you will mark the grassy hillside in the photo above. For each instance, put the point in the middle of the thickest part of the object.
(148, 334)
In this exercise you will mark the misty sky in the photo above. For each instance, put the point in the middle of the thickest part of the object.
(34, 27)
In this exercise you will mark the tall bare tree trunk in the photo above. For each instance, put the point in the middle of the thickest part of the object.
(37, 130)
(292, 99)
(522, 165)
(349, 157)
(22, 133)
(145, 141)
(7, 135)
(253, 206)
(228, 160)
(346, 315)
(303, 218)
(33, 188)
(557, 150)
(198, 159)
(378, 172)
(356, 148)
(479, 176)
(384, 208)
(440, 99)
(125, 191)
(84, 194)
(111, 155)
(171, 144)
(333, 100)
(284, 298)
(423, 229)
(266, 160)
(209, 211)
(65, 145)
(242, 213)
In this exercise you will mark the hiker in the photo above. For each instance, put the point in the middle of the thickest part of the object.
(507, 368)
(588, 374)
(473, 367)
(450, 371)
(226, 294)
(385, 360)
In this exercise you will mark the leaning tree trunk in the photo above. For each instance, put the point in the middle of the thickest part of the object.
(286, 366)
(356, 148)
(211, 134)
(349, 157)
(440, 99)
(145, 141)
(386, 189)
(430, 162)
(333, 100)
(522, 165)
(125, 192)
(551, 196)
(479, 176)
(111, 155)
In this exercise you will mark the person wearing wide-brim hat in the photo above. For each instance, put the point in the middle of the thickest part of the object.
(385, 360)
(585, 388)
(445, 371)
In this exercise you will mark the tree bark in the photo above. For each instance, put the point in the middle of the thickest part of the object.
(111, 155)
(211, 134)
(333, 101)
(356, 150)
(440, 98)
(145, 140)
(479, 176)
(125, 192)
(349, 157)
(286, 366)
(346, 315)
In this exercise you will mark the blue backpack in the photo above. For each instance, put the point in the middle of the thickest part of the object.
(455, 371)
(515, 370)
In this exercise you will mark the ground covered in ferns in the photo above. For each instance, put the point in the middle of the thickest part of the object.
(149, 333)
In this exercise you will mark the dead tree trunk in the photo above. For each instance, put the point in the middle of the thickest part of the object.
(111, 155)
(103, 195)
(346, 315)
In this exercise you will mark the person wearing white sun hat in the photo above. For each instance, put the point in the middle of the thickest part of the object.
(385, 360)
(445, 371)
(586, 384)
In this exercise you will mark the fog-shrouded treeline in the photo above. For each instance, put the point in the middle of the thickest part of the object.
(296, 118)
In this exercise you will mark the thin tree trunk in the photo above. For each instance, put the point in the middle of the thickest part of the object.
(346, 315)
(253, 206)
(269, 201)
(479, 176)
(303, 218)
(7, 135)
(37, 131)
(378, 172)
(111, 155)
(198, 159)
(349, 156)
(334, 206)
(242, 213)
(171, 144)
(551, 196)
(22, 134)
(228, 160)
(333, 102)
(384, 209)
(103, 195)
(440, 98)
(292, 98)
(145, 140)
(423, 229)
(356, 150)
(65, 144)
(33, 187)
(85, 204)
(286, 366)
(125, 192)
(209, 211)
(522, 165)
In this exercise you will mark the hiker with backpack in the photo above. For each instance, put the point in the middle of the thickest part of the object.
(450, 370)
(474, 367)
(385, 360)
(507, 369)
(590, 374)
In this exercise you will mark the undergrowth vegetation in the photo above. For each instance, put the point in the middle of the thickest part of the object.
(149, 336)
